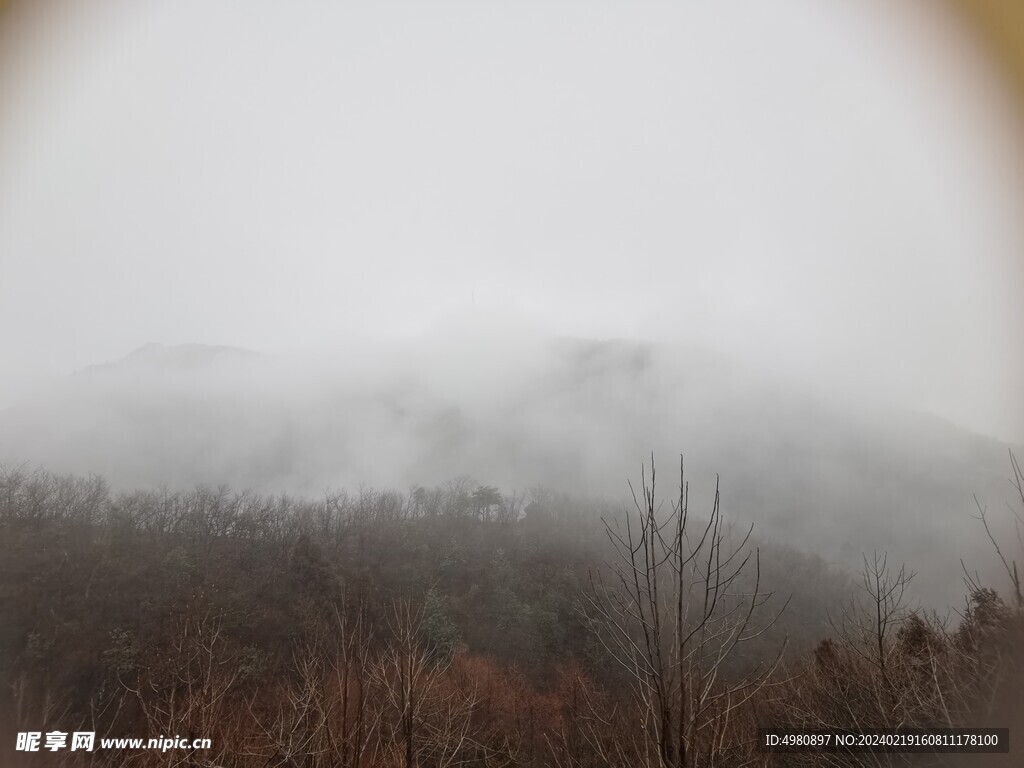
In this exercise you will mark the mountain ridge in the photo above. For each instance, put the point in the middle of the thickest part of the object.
(578, 416)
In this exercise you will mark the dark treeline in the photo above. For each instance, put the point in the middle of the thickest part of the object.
(459, 625)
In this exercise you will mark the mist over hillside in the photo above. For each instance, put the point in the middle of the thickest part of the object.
(354, 356)
(571, 414)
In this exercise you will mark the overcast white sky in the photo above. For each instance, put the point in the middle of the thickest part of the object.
(834, 191)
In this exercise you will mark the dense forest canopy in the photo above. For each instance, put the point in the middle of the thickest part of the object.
(461, 625)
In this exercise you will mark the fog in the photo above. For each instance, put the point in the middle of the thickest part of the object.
(520, 242)
(831, 193)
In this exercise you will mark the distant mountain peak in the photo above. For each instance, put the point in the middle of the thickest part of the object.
(175, 356)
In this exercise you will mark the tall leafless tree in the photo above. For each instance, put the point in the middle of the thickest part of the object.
(677, 602)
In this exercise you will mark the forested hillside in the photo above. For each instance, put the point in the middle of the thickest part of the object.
(818, 473)
(456, 625)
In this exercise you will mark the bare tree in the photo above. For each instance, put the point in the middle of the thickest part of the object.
(672, 612)
(188, 692)
(426, 717)
(867, 627)
(1010, 566)
(322, 717)
(510, 508)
